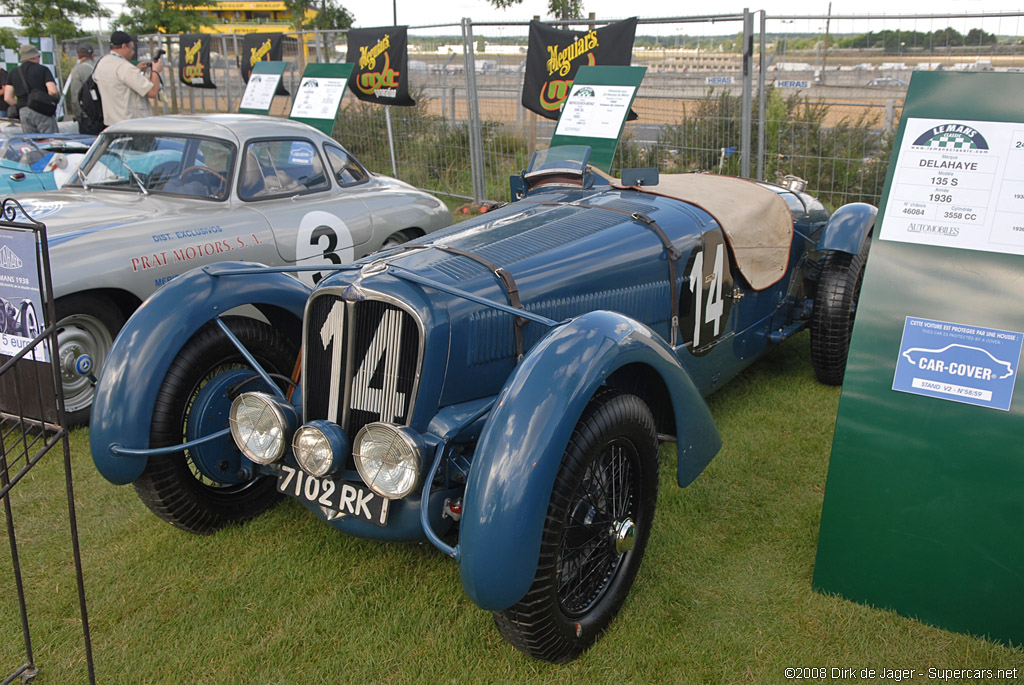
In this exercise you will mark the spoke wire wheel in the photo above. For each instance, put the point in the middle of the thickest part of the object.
(595, 532)
(587, 555)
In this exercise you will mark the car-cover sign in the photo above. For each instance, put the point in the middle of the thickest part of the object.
(554, 56)
(195, 61)
(381, 72)
(261, 47)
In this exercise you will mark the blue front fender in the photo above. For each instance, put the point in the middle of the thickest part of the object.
(848, 227)
(520, 451)
(149, 342)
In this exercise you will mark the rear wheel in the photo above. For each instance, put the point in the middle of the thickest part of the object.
(835, 306)
(205, 488)
(598, 522)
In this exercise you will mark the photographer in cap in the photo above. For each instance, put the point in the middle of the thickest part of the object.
(124, 88)
(30, 85)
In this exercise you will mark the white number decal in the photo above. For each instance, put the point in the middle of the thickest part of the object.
(388, 400)
(332, 330)
(312, 489)
(715, 306)
(325, 499)
(290, 473)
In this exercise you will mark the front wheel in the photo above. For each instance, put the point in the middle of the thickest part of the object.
(835, 306)
(208, 487)
(597, 525)
(86, 328)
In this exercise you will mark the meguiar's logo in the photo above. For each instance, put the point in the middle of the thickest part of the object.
(258, 53)
(9, 260)
(561, 60)
(383, 83)
(193, 67)
(368, 56)
(952, 137)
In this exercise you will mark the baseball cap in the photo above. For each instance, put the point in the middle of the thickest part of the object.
(28, 51)
(119, 38)
(84, 51)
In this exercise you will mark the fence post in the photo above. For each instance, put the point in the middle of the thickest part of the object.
(476, 152)
(761, 102)
(748, 54)
(227, 73)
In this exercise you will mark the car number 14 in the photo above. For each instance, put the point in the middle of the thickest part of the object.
(714, 310)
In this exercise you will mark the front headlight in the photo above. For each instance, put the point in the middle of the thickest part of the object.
(388, 459)
(320, 447)
(261, 426)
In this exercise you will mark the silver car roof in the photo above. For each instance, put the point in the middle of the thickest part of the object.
(233, 127)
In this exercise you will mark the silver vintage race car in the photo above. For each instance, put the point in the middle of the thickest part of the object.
(158, 196)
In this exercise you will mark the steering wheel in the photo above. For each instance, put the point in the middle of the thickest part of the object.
(202, 169)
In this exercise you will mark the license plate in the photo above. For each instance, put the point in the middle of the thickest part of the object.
(337, 498)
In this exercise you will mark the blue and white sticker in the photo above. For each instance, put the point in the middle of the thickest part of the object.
(301, 154)
(958, 362)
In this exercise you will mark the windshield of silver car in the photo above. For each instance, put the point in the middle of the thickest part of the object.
(147, 163)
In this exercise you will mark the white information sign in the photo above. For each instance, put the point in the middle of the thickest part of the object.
(259, 92)
(595, 111)
(958, 184)
(21, 306)
(318, 97)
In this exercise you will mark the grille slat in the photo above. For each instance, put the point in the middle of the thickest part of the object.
(377, 368)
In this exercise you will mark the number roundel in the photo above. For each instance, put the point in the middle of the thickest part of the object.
(704, 301)
(322, 238)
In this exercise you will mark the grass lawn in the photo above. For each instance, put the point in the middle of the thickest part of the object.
(724, 594)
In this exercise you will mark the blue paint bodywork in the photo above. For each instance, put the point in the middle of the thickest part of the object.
(848, 228)
(526, 435)
(593, 275)
(26, 159)
(144, 350)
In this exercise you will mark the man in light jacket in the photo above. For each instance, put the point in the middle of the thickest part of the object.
(124, 88)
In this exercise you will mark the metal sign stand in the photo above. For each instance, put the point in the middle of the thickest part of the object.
(32, 421)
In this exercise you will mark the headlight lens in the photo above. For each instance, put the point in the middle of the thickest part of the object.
(388, 459)
(261, 426)
(320, 447)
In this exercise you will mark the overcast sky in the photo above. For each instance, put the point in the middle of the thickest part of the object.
(371, 13)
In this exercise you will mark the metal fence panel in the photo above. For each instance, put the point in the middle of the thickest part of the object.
(769, 96)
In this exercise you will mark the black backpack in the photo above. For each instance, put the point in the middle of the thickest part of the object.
(91, 107)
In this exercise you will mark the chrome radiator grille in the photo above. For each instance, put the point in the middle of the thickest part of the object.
(362, 362)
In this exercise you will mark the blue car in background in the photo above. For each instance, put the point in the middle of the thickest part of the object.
(40, 161)
(499, 388)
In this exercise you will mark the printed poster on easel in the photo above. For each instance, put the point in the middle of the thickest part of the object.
(319, 94)
(262, 86)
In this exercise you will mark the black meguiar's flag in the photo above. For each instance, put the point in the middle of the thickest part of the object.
(194, 62)
(261, 47)
(554, 56)
(381, 73)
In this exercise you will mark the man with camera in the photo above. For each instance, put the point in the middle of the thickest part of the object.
(124, 88)
(31, 87)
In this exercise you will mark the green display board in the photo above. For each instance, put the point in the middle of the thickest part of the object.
(259, 91)
(924, 502)
(595, 111)
(318, 97)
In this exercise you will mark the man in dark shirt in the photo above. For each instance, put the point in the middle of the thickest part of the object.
(28, 76)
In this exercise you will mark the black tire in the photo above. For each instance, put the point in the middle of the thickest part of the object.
(86, 325)
(172, 486)
(575, 596)
(835, 306)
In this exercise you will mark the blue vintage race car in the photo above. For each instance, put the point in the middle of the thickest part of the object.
(39, 161)
(498, 388)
